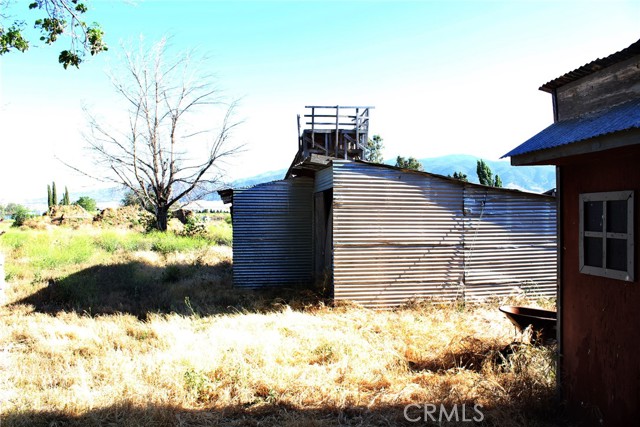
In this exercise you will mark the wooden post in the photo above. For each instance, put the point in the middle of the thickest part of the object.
(357, 128)
(337, 143)
(313, 127)
(299, 135)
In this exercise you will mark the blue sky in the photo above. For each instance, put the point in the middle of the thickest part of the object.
(445, 77)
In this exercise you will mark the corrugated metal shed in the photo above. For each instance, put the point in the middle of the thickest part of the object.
(510, 243)
(396, 235)
(399, 235)
(272, 225)
(621, 117)
(386, 235)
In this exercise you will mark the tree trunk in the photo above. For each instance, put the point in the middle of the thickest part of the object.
(162, 214)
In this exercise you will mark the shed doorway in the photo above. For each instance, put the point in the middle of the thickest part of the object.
(323, 237)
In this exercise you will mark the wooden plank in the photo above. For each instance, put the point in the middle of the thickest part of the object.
(341, 106)
(348, 116)
(605, 88)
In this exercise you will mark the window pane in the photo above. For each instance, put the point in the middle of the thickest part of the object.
(617, 216)
(593, 251)
(617, 254)
(593, 216)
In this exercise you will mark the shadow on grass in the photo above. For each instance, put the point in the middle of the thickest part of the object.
(139, 289)
(470, 354)
(284, 415)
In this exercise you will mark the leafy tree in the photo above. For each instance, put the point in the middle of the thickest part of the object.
(20, 215)
(485, 176)
(410, 163)
(461, 176)
(54, 194)
(155, 155)
(57, 17)
(130, 199)
(87, 203)
(11, 208)
(373, 150)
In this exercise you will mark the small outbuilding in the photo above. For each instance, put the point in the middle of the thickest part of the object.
(379, 235)
(595, 144)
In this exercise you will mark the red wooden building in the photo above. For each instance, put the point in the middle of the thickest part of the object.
(595, 144)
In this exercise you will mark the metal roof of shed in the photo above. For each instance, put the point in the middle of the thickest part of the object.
(227, 193)
(592, 67)
(618, 118)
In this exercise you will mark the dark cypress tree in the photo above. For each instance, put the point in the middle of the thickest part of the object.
(49, 199)
(54, 194)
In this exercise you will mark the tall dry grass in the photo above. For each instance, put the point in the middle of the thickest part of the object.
(198, 352)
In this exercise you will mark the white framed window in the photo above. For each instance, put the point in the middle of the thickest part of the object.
(606, 234)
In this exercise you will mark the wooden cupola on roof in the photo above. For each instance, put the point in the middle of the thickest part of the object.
(330, 132)
(335, 131)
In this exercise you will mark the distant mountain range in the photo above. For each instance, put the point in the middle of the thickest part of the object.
(535, 179)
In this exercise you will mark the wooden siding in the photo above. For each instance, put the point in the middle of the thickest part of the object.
(605, 88)
(599, 316)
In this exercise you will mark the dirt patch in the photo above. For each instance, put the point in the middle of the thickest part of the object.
(127, 216)
(69, 215)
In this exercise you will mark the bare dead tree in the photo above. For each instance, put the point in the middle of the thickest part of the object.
(161, 155)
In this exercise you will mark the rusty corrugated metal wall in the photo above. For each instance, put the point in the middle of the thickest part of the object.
(272, 226)
(399, 235)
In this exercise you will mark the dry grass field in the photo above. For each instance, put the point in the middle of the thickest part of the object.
(112, 327)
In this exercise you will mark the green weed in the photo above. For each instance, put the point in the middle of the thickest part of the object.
(166, 243)
(221, 233)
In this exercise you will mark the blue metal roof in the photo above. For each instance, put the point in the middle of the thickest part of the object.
(618, 118)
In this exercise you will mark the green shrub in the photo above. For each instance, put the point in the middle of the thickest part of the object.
(20, 215)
